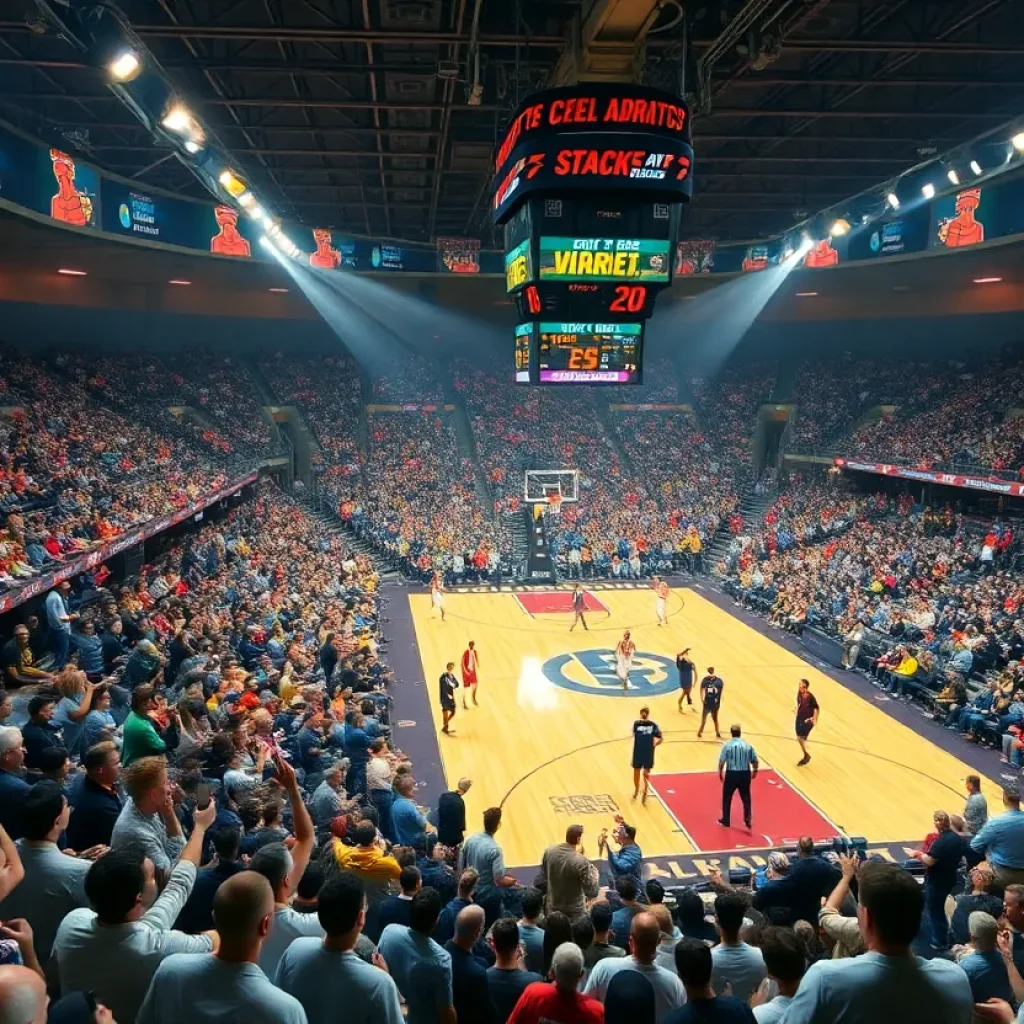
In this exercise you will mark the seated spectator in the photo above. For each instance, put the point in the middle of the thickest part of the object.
(669, 936)
(889, 982)
(602, 947)
(784, 960)
(982, 961)
(327, 975)
(40, 732)
(694, 967)
(196, 915)
(693, 923)
(842, 932)
(531, 934)
(147, 823)
(97, 804)
(627, 907)
(464, 898)
(559, 1001)
(13, 787)
(736, 964)
(142, 737)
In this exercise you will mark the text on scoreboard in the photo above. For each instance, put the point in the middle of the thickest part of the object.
(589, 353)
(604, 259)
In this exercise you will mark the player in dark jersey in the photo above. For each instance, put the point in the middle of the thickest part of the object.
(579, 605)
(646, 736)
(806, 717)
(448, 685)
(711, 688)
(687, 671)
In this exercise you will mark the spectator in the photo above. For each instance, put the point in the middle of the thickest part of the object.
(843, 932)
(559, 1002)
(377, 870)
(18, 661)
(58, 622)
(601, 948)
(327, 976)
(54, 883)
(570, 878)
(451, 814)
(1001, 840)
(197, 914)
(736, 963)
(13, 787)
(147, 823)
(669, 936)
(811, 879)
(508, 978)
(942, 865)
(97, 805)
(630, 999)
(327, 799)
(464, 898)
(643, 940)
(141, 736)
(40, 732)
(421, 968)
(531, 934)
(557, 929)
(982, 961)
(889, 982)
(979, 897)
(628, 907)
(482, 852)
(694, 967)
(23, 998)
(226, 985)
(114, 949)
(692, 920)
(397, 909)
(785, 963)
(976, 808)
(405, 815)
(470, 996)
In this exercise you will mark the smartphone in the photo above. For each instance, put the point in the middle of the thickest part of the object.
(203, 796)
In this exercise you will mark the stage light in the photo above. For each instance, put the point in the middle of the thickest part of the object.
(192, 147)
(928, 190)
(175, 280)
(839, 227)
(177, 119)
(976, 167)
(987, 280)
(268, 222)
(232, 185)
(893, 200)
(72, 273)
(954, 178)
(256, 212)
(246, 199)
(125, 66)
(1018, 142)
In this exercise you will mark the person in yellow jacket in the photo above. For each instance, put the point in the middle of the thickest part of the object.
(902, 672)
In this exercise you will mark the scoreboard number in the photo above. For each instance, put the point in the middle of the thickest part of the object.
(628, 298)
(583, 358)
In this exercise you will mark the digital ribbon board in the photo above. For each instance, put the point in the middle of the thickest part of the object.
(588, 184)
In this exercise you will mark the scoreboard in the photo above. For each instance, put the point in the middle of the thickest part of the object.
(588, 185)
(578, 353)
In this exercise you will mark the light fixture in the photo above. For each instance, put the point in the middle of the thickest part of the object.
(268, 222)
(787, 253)
(175, 280)
(246, 199)
(839, 227)
(231, 184)
(987, 280)
(177, 119)
(266, 242)
(1018, 142)
(125, 66)
(893, 200)
(976, 167)
(954, 178)
(805, 295)
(256, 212)
(928, 190)
(192, 146)
(277, 289)
(72, 273)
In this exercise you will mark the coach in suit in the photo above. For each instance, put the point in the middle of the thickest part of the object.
(737, 768)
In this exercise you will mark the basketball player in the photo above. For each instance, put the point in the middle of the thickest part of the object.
(624, 659)
(437, 594)
(711, 700)
(470, 664)
(579, 605)
(646, 736)
(661, 603)
(687, 672)
(448, 684)
(806, 717)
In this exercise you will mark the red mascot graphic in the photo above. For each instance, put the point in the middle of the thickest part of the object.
(325, 257)
(963, 229)
(68, 205)
(227, 241)
(822, 255)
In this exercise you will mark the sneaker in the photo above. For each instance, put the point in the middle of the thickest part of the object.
(803, 760)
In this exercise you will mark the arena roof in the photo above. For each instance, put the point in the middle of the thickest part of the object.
(357, 114)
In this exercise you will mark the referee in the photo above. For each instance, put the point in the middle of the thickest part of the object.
(737, 768)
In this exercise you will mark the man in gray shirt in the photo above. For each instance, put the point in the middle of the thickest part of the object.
(54, 882)
(114, 949)
(734, 963)
(976, 808)
(147, 823)
(571, 878)
(481, 851)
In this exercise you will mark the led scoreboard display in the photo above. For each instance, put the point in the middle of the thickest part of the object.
(588, 184)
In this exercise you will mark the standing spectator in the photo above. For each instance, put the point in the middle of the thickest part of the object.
(54, 883)
(811, 877)
(405, 815)
(694, 967)
(451, 814)
(887, 983)
(197, 914)
(227, 985)
(844, 932)
(982, 961)
(327, 976)
(13, 787)
(378, 787)
(326, 802)
(531, 934)
(397, 909)
(507, 979)
(942, 864)
(445, 929)
(147, 822)
(785, 963)
(421, 968)
(601, 948)
(629, 859)
(979, 897)
(559, 1002)
(482, 852)
(643, 942)
(470, 995)
(97, 804)
(58, 623)
(114, 949)
(622, 919)
(735, 963)
(1001, 840)
(976, 808)
(571, 880)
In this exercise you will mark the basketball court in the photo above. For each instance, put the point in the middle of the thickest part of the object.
(551, 741)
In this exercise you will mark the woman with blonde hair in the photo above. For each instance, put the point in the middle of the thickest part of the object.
(76, 693)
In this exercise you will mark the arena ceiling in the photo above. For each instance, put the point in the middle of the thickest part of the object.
(362, 114)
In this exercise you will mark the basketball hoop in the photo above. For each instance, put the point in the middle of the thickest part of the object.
(554, 502)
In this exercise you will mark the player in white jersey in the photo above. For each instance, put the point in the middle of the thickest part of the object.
(661, 601)
(624, 659)
(437, 594)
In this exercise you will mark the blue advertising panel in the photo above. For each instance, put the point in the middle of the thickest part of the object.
(896, 234)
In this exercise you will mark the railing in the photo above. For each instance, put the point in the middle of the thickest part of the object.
(962, 467)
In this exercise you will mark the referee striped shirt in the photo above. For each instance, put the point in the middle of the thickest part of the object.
(737, 755)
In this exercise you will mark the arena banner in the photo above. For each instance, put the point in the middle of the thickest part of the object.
(90, 559)
(893, 235)
(990, 484)
(458, 255)
(651, 407)
(959, 220)
(695, 256)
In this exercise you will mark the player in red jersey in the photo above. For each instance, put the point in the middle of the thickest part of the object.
(470, 665)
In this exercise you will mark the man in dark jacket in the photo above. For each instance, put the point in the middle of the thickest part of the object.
(451, 815)
(96, 802)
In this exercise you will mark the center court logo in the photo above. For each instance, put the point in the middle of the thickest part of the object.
(594, 672)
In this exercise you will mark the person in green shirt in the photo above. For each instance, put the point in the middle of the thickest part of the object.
(141, 736)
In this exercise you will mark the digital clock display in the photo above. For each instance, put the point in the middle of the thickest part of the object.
(589, 353)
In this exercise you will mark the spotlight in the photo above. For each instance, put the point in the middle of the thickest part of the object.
(278, 290)
(256, 212)
(266, 242)
(231, 184)
(125, 66)
(928, 190)
(893, 200)
(839, 227)
(954, 178)
(178, 280)
(987, 280)
(268, 222)
(177, 119)
(192, 147)
(246, 199)
(976, 167)
(1018, 142)
(72, 273)
(787, 253)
